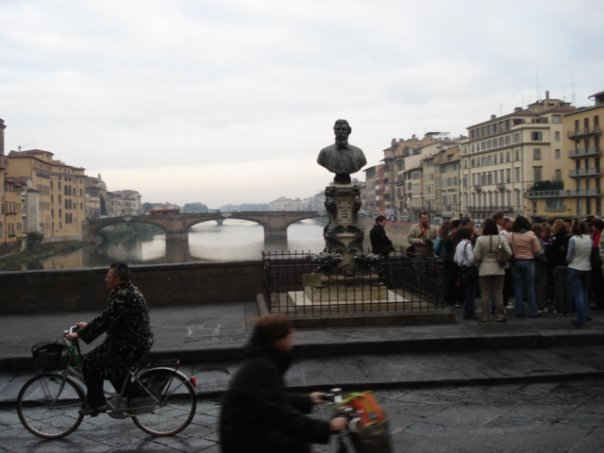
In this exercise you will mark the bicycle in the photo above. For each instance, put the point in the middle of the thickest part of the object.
(159, 398)
(367, 430)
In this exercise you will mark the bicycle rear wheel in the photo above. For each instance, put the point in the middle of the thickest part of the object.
(48, 405)
(165, 405)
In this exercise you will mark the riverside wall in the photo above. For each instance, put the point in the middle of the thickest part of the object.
(163, 285)
(196, 283)
(396, 231)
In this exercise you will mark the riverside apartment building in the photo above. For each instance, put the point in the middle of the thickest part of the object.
(60, 191)
(578, 190)
(506, 157)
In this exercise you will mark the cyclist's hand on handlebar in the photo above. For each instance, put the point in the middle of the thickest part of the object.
(338, 424)
(71, 336)
(73, 330)
(317, 397)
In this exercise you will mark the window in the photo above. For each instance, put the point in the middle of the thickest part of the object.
(537, 153)
(536, 136)
(516, 154)
(557, 136)
(556, 119)
(558, 175)
(537, 173)
(517, 174)
(554, 204)
(557, 154)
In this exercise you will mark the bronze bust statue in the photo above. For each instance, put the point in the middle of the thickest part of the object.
(342, 158)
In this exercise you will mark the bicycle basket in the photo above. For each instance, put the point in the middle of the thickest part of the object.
(49, 356)
(372, 438)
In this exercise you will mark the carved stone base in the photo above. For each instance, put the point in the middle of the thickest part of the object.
(340, 293)
(374, 297)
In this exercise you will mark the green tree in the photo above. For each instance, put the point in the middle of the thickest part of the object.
(194, 208)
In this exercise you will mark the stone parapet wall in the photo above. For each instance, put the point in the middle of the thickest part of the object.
(163, 285)
(396, 231)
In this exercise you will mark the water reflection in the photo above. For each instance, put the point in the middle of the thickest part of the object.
(235, 240)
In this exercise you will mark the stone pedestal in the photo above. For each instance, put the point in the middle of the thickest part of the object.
(343, 234)
(343, 275)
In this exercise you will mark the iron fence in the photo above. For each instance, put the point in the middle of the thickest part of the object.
(402, 282)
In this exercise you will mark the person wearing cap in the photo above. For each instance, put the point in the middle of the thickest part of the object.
(258, 415)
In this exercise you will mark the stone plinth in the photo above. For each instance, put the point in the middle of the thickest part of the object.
(375, 299)
(343, 234)
(343, 294)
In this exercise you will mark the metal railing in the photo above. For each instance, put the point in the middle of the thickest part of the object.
(402, 282)
(583, 152)
(594, 192)
(578, 133)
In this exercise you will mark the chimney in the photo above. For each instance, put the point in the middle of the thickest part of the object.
(547, 94)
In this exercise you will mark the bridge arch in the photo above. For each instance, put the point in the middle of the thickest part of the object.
(96, 228)
(177, 226)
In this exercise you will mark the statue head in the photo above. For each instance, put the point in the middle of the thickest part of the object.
(342, 130)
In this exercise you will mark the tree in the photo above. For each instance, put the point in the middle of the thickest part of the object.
(194, 208)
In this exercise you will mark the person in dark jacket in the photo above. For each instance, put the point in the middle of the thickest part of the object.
(125, 320)
(556, 256)
(258, 415)
(380, 242)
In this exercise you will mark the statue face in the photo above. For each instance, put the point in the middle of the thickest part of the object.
(341, 131)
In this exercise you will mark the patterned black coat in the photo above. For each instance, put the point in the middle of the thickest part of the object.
(125, 320)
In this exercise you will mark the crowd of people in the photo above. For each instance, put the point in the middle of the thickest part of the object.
(519, 268)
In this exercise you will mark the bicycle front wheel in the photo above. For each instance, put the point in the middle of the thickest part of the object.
(48, 405)
(165, 404)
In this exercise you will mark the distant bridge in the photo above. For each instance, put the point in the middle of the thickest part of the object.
(177, 226)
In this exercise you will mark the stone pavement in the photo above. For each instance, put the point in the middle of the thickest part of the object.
(520, 417)
(208, 340)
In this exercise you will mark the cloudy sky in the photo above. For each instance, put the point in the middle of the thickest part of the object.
(230, 101)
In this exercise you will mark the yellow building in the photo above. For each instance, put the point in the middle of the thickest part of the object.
(401, 156)
(579, 191)
(11, 220)
(507, 157)
(446, 182)
(60, 189)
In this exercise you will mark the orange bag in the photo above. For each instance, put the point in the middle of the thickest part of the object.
(364, 403)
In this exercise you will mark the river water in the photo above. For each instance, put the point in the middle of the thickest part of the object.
(235, 240)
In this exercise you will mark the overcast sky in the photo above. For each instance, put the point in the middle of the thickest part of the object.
(230, 101)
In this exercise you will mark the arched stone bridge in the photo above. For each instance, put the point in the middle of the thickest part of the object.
(176, 226)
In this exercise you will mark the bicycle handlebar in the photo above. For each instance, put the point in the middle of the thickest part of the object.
(71, 329)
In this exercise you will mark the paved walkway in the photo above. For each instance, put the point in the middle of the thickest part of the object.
(208, 340)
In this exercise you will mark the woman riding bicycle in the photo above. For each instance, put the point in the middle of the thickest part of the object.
(125, 320)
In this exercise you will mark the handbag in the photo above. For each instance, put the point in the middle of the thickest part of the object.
(502, 258)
